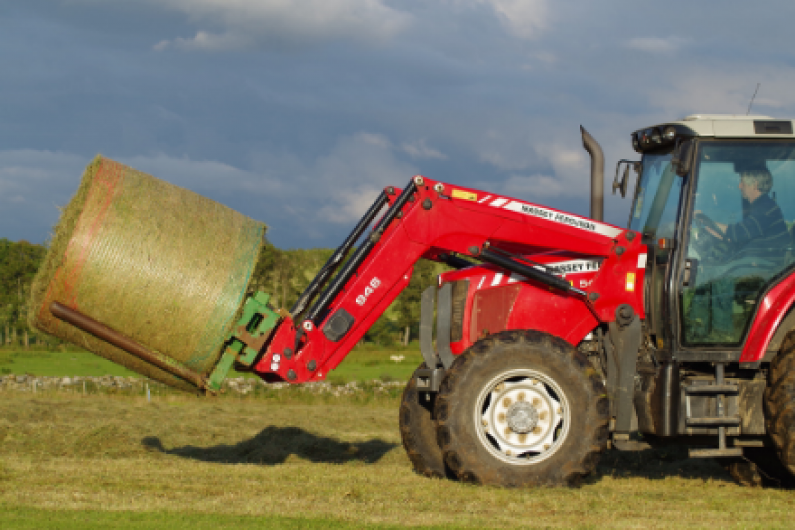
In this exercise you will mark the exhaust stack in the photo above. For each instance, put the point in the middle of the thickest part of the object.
(597, 175)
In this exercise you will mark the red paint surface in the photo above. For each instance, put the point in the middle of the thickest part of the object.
(772, 309)
(457, 224)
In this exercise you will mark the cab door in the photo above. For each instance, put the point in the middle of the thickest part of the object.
(655, 215)
(720, 280)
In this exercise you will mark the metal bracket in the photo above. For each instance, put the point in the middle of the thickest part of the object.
(442, 354)
(429, 380)
(247, 339)
(444, 315)
(624, 344)
(426, 327)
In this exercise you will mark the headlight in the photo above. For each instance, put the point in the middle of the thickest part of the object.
(635, 143)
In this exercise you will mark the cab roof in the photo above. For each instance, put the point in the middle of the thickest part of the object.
(728, 126)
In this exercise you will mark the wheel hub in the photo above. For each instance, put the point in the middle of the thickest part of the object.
(522, 417)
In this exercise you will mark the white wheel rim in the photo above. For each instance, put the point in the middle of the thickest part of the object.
(522, 417)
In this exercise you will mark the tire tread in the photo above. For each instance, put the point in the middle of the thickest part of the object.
(417, 432)
(466, 465)
(779, 403)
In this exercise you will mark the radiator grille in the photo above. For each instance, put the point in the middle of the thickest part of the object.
(460, 290)
(491, 309)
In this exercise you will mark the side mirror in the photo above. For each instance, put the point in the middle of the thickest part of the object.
(621, 185)
(682, 157)
(624, 182)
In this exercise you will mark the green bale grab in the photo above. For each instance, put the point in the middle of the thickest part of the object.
(158, 263)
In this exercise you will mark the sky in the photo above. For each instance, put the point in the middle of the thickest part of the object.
(298, 112)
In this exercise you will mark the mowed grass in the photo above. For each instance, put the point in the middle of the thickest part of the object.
(37, 519)
(362, 364)
(58, 363)
(184, 462)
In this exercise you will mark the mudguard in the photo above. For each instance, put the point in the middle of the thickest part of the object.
(771, 312)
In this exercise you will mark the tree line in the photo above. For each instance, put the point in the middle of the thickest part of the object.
(284, 274)
(19, 262)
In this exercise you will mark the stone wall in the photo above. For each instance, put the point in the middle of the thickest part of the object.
(138, 385)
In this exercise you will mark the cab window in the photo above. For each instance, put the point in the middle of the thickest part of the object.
(739, 236)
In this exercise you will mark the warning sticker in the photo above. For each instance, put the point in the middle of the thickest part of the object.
(467, 195)
(630, 281)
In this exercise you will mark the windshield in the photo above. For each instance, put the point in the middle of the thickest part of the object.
(657, 198)
(739, 237)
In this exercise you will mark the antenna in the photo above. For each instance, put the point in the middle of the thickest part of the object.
(752, 99)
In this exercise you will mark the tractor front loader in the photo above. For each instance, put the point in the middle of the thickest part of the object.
(558, 335)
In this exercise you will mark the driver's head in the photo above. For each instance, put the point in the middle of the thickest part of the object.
(755, 182)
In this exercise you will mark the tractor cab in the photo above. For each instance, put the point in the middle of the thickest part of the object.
(715, 203)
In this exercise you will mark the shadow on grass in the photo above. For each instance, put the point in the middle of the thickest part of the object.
(275, 444)
(658, 463)
(672, 461)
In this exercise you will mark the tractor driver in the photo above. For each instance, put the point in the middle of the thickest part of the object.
(761, 236)
(763, 229)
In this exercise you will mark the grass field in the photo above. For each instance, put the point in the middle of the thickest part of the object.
(362, 364)
(183, 462)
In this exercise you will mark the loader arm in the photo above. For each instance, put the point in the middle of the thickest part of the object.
(430, 219)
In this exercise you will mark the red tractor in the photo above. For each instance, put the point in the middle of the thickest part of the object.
(559, 335)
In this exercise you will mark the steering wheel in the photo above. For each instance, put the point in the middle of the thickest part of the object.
(709, 226)
(708, 244)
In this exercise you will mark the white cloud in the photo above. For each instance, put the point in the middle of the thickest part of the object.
(334, 188)
(564, 159)
(34, 184)
(349, 178)
(419, 150)
(237, 24)
(204, 176)
(533, 186)
(348, 205)
(506, 147)
(659, 45)
(378, 140)
(524, 18)
(726, 89)
(28, 175)
(204, 41)
(568, 178)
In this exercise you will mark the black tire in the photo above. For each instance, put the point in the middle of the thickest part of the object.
(520, 409)
(418, 431)
(760, 467)
(779, 403)
(743, 472)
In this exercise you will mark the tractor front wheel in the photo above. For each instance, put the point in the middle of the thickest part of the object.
(519, 409)
(418, 430)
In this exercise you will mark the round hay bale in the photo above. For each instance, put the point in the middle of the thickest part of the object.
(158, 263)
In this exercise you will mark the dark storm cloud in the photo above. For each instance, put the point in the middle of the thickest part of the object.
(296, 113)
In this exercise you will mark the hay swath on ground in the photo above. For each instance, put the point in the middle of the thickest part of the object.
(251, 461)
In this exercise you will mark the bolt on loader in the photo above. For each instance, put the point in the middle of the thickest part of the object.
(556, 335)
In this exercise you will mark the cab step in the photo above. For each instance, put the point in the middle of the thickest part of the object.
(716, 453)
(729, 421)
(726, 388)
(721, 421)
